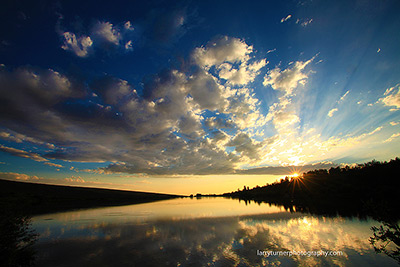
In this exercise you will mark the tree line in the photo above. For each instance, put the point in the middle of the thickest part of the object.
(365, 189)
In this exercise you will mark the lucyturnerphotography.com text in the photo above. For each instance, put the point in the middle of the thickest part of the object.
(307, 253)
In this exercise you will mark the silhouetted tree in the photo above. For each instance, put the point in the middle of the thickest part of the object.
(384, 236)
(343, 190)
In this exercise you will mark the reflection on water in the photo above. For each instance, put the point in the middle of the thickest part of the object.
(386, 239)
(200, 232)
(16, 238)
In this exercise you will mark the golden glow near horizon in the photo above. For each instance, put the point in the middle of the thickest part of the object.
(208, 184)
(180, 185)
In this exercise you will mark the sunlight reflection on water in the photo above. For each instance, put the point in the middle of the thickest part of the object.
(200, 232)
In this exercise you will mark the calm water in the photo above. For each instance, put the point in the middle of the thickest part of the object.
(201, 232)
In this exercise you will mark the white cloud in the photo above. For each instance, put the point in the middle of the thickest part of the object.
(376, 130)
(241, 75)
(283, 114)
(286, 18)
(288, 79)
(105, 31)
(75, 179)
(344, 96)
(79, 46)
(391, 97)
(231, 57)
(222, 50)
(244, 108)
(128, 26)
(102, 35)
(128, 45)
(331, 112)
(392, 137)
(54, 165)
(12, 176)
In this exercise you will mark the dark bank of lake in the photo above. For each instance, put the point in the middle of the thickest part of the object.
(203, 232)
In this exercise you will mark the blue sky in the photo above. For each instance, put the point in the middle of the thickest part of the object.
(153, 95)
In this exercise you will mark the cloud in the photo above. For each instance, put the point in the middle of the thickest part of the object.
(207, 120)
(304, 22)
(112, 90)
(29, 98)
(391, 97)
(222, 50)
(344, 96)
(75, 179)
(286, 18)
(391, 138)
(54, 165)
(20, 138)
(231, 58)
(128, 45)
(283, 113)
(288, 79)
(331, 112)
(12, 176)
(102, 35)
(206, 91)
(79, 46)
(245, 146)
(242, 75)
(376, 130)
(114, 123)
(45, 86)
(106, 32)
(128, 26)
(22, 153)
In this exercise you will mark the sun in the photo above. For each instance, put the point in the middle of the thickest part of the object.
(295, 175)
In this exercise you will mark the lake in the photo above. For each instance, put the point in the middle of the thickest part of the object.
(203, 232)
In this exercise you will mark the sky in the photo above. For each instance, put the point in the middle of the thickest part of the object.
(195, 96)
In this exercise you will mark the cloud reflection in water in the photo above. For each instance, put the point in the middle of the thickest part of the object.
(152, 235)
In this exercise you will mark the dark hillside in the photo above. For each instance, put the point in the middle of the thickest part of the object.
(42, 198)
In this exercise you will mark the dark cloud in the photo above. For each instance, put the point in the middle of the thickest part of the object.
(22, 153)
(179, 124)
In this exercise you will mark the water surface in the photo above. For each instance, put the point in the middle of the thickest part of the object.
(201, 232)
